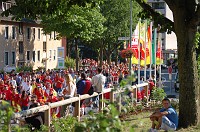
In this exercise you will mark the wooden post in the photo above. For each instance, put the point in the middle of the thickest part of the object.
(135, 93)
(47, 117)
(77, 109)
(146, 88)
(112, 96)
(101, 102)
(119, 102)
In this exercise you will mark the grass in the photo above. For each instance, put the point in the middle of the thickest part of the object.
(141, 123)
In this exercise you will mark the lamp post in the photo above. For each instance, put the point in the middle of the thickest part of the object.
(130, 62)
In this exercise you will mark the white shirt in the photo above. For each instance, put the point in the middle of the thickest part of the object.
(99, 81)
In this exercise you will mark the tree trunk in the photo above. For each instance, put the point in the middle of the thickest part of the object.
(109, 54)
(77, 55)
(116, 56)
(188, 74)
(101, 55)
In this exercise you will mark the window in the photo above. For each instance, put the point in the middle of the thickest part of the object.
(28, 55)
(54, 55)
(159, 5)
(21, 28)
(38, 33)
(50, 54)
(44, 46)
(38, 55)
(6, 58)
(33, 33)
(21, 48)
(28, 33)
(5, 5)
(33, 56)
(54, 35)
(6, 32)
(13, 32)
(13, 58)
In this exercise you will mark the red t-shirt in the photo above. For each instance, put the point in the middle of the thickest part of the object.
(59, 82)
(24, 102)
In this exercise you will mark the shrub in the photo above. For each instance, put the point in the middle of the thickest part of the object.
(108, 121)
(158, 94)
(24, 68)
(69, 62)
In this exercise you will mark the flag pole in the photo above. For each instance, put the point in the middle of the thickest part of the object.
(139, 53)
(150, 50)
(145, 47)
(130, 62)
(155, 41)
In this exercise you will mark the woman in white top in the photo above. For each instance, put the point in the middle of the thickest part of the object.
(69, 91)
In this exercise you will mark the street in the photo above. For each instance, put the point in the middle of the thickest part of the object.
(168, 85)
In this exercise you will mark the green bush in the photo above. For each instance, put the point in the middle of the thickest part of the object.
(24, 68)
(70, 63)
(106, 121)
(158, 94)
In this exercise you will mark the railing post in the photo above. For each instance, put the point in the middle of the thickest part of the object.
(47, 117)
(146, 91)
(112, 96)
(135, 93)
(119, 101)
(77, 109)
(101, 102)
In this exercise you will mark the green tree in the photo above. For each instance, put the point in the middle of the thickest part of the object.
(70, 18)
(117, 14)
(186, 15)
(80, 23)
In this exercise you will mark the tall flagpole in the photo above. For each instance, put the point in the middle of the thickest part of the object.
(145, 47)
(155, 41)
(150, 49)
(139, 53)
(130, 62)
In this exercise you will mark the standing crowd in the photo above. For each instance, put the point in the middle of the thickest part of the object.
(25, 90)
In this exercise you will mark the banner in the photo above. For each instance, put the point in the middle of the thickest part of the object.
(159, 58)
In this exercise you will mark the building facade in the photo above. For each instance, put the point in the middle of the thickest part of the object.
(169, 41)
(23, 43)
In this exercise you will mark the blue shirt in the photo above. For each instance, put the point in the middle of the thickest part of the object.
(172, 115)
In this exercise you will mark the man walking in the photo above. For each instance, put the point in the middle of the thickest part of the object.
(98, 82)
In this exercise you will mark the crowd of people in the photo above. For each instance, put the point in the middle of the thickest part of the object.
(25, 88)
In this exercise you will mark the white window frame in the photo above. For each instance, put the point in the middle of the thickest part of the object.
(7, 5)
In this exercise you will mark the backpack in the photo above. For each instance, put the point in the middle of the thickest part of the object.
(91, 90)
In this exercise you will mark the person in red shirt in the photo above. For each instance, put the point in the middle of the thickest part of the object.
(24, 101)
(1, 85)
(59, 83)
(39, 93)
(48, 90)
(15, 100)
(52, 99)
(7, 93)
